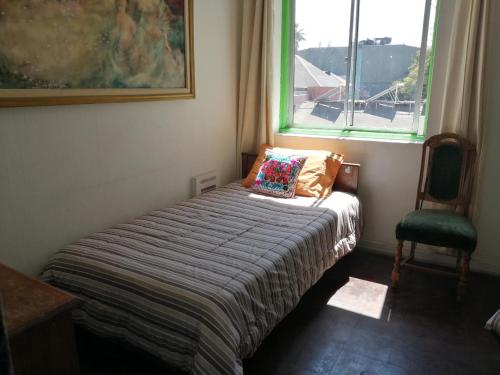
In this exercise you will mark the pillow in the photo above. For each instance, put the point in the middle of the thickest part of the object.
(278, 175)
(316, 177)
(248, 181)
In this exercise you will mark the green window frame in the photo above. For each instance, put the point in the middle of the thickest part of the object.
(286, 125)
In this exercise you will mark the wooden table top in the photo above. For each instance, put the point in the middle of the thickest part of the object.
(28, 302)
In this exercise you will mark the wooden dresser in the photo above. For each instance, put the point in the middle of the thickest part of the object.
(39, 326)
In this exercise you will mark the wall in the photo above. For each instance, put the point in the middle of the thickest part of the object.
(69, 171)
(389, 170)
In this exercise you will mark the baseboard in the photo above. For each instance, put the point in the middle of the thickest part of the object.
(428, 254)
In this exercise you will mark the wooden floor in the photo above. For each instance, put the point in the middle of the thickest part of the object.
(421, 330)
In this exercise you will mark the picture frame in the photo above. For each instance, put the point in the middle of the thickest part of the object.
(88, 52)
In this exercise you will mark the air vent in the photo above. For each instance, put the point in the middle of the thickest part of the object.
(204, 183)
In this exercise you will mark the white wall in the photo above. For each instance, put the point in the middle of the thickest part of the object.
(389, 170)
(69, 171)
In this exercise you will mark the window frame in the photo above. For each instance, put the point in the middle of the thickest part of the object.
(286, 94)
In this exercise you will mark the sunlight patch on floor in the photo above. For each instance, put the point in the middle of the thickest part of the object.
(361, 297)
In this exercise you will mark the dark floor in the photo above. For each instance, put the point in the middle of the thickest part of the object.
(421, 331)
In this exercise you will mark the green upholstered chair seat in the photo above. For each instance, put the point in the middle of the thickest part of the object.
(437, 228)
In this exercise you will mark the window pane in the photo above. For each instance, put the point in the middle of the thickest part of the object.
(322, 39)
(386, 71)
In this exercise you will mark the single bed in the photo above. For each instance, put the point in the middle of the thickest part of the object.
(201, 284)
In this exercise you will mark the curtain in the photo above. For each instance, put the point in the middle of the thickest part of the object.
(463, 106)
(494, 323)
(255, 86)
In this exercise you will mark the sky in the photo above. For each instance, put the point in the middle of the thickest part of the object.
(326, 22)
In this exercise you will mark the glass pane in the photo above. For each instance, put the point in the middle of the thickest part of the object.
(387, 66)
(321, 67)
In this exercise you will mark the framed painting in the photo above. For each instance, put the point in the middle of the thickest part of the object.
(95, 51)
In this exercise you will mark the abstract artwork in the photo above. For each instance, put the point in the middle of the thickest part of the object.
(92, 51)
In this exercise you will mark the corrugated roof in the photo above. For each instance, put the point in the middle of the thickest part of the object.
(308, 75)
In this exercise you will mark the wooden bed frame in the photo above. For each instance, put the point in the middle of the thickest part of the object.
(347, 178)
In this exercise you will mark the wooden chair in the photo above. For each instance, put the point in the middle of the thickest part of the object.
(446, 175)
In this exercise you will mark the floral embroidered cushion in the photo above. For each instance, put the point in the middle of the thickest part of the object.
(278, 174)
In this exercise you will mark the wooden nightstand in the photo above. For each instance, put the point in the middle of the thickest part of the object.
(39, 326)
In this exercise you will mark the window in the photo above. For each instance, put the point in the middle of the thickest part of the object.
(360, 66)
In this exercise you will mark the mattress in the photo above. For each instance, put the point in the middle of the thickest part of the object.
(202, 283)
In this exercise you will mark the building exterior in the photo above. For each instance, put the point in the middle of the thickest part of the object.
(379, 65)
(311, 82)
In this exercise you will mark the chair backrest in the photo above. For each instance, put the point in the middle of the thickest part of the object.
(446, 171)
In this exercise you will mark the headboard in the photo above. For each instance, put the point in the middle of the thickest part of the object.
(347, 179)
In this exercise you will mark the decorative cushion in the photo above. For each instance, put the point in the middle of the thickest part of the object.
(278, 174)
(494, 323)
(438, 228)
(316, 177)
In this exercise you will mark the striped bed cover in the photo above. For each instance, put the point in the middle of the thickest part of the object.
(201, 284)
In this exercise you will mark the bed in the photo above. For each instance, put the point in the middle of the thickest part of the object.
(202, 283)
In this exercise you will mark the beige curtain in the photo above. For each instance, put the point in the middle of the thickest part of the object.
(254, 101)
(462, 111)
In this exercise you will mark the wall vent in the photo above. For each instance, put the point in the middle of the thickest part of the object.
(204, 183)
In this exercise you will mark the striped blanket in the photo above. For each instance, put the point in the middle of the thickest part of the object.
(201, 284)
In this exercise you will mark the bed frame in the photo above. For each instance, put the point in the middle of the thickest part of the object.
(347, 178)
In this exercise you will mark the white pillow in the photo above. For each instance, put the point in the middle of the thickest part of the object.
(494, 323)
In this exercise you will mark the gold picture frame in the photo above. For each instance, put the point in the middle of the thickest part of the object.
(130, 87)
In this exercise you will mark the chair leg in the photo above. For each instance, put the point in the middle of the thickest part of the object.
(464, 276)
(412, 250)
(397, 265)
(459, 260)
